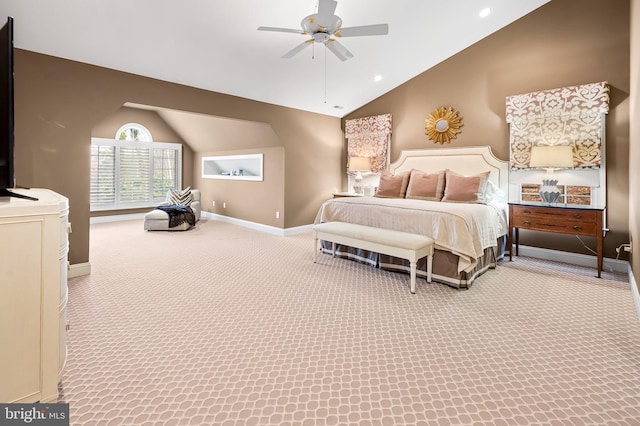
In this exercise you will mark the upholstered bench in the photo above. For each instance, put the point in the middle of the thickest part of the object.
(158, 220)
(386, 241)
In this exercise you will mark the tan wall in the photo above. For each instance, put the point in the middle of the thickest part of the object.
(565, 42)
(58, 103)
(634, 137)
(254, 201)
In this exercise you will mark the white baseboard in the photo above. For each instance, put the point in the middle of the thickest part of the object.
(79, 269)
(258, 226)
(574, 258)
(634, 292)
(116, 218)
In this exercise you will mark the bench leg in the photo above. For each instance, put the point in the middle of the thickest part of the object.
(429, 267)
(333, 249)
(413, 277)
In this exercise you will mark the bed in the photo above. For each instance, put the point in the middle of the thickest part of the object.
(469, 234)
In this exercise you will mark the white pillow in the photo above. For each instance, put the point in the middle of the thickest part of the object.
(492, 193)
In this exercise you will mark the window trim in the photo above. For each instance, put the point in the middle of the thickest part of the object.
(137, 144)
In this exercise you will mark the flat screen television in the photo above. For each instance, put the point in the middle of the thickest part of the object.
(7, 177)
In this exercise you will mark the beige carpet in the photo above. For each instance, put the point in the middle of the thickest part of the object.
(223, 325)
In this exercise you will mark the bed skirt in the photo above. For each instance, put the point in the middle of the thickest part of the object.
(445, 264)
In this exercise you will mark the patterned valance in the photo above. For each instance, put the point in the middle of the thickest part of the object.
(369, 137)
(564, 116)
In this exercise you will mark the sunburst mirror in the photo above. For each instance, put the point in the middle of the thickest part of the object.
(443, 125)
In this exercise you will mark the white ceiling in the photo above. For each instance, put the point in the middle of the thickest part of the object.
(215, 45)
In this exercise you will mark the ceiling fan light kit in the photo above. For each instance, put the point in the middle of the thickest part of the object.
(323, 26)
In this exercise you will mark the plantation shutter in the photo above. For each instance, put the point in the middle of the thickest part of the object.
(135, 174)
(103, 174)
(165, 166)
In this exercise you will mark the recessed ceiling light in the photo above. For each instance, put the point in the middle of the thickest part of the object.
(377, 78)
(485, 12)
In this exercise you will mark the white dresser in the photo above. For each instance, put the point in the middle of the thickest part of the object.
(33, 295)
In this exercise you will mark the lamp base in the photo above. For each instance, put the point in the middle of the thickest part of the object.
(549, 193)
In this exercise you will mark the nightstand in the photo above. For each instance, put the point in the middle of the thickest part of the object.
(586, 221)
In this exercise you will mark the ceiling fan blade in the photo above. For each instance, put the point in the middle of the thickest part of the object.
(339, 50)
(281, 30)
(364, 30)
(327, 7)
(299, 48)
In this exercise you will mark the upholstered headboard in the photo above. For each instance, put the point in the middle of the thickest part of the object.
(464, 160)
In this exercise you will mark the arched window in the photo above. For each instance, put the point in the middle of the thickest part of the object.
(132, 171)
(134, 132)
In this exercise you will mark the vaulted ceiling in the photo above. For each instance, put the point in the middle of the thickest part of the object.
(215, 45)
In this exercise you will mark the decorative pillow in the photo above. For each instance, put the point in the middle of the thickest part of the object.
(181, 198)
(393, 186)
(465, 189)
(426, 186)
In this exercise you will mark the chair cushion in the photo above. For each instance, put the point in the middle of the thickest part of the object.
(156, 214)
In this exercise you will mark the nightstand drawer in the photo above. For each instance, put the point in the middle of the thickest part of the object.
(555, 224)
(555, 214)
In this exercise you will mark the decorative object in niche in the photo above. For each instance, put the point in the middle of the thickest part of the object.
(566, 116)
(443, 125)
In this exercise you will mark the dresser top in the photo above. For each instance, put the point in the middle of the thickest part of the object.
(48, 202)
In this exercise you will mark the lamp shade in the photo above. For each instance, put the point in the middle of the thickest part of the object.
(359, 164)
(552, 157)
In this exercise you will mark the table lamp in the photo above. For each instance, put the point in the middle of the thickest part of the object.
(551, 157)
(359, 165)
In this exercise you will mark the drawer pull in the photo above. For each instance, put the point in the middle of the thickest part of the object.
(526, 222)
(526, 211)
(577, 228)
(577, 215)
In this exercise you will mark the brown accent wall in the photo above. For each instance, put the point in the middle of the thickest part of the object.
(563, 43)
(59, 102)
(634, 137)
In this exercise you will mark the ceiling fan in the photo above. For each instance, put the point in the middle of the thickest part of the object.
(321, 26)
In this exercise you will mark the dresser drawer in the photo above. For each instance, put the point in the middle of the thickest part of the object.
(554, 214)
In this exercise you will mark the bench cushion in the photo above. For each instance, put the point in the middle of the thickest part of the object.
(386, 237)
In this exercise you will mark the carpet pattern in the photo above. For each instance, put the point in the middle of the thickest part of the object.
(223, 325)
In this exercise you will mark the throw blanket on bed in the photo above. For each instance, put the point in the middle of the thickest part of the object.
(178, 215)
(462, 229)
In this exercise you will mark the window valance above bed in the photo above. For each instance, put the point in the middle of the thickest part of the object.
(566, 116)
(369, 137)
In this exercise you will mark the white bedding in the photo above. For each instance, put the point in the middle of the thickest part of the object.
(465, 230)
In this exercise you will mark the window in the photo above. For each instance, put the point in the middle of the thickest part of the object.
(134, 132)
(132, 171)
